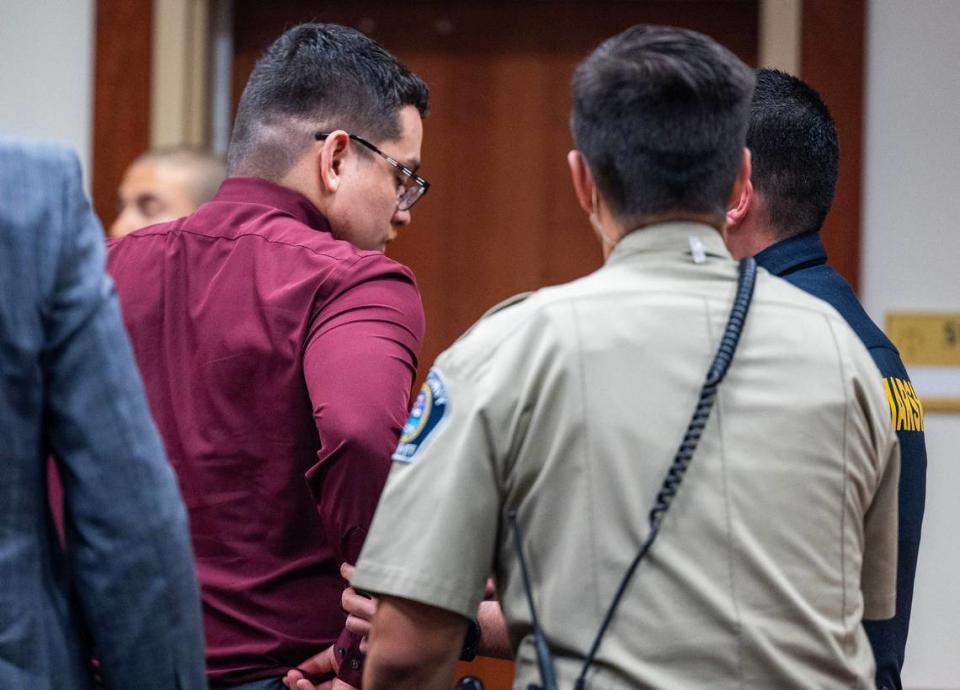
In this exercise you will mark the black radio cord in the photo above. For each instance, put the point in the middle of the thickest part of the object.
(708, 394)
(544, 660)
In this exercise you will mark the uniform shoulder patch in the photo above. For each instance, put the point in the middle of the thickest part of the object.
(427, 412)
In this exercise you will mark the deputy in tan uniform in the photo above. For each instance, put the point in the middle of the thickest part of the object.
(568, 408)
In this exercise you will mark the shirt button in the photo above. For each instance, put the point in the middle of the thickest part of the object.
(341, 651)
(355, 664)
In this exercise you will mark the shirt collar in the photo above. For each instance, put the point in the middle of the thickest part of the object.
(669, 238)
(789, 255)
(253, 190)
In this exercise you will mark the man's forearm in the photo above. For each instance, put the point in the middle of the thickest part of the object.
(412, 647)
(384, 675)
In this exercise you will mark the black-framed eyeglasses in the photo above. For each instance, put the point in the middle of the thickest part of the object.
(413, 186)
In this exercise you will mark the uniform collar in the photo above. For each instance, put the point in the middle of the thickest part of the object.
(792, 254)
(669, 237)
(253, 190)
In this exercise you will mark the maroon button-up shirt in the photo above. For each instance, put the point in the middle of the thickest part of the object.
(278, 363)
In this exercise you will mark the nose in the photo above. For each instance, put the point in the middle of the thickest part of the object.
(401, 218)
(125, 223)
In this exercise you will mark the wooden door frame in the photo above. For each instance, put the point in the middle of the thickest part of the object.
(151, 75)
(121, 95)
(833, 61)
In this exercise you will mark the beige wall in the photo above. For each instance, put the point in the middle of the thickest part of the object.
(780, 33)
(911, 260)
(46, 71)
(178, 99)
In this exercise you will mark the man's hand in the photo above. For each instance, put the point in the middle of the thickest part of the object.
(360, 609)
(319, 666)
(494, 638)
(490, 590)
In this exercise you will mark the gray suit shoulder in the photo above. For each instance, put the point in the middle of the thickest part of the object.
(38, 181)
(42, 206)
(37, 149)
(42, 157)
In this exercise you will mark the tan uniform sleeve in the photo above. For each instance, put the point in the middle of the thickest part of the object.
(878, 578)
(878, 575)
(434, 533)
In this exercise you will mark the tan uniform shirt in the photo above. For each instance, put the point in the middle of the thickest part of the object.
(569, 407)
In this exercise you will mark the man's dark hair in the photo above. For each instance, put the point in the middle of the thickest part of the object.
(795, 153)
(660, 115)
(318, 77)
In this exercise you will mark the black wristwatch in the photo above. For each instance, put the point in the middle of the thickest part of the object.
(471, 643)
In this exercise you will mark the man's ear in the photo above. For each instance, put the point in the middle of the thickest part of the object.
(741, 196)
(330, 160)
(583, 184)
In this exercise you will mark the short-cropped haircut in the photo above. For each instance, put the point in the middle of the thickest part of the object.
(796, 156)
(318, 77)
(660, 115)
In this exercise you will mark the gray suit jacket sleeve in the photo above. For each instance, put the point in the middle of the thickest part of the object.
(126, 526)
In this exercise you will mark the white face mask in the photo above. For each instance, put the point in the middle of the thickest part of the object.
(608, 244)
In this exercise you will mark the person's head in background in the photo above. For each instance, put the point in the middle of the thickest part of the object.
(796, 159)
(315, 104)
(164, 184)
(659, 121)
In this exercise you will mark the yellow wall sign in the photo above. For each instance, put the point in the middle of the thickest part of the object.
(924, 338)
(929, 344)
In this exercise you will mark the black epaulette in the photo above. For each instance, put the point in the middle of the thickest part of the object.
(495, 309)
(505, 304)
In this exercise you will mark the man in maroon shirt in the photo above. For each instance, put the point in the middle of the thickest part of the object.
(278, 345)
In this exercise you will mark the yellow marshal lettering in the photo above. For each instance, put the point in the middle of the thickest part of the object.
(917, 406)
(891, 403)
(901, 405)
(914, 415)
(906, 410)
(907, 414)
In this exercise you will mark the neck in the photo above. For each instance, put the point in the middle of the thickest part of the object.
(742, 244)
(300, 179)
(714, 220)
